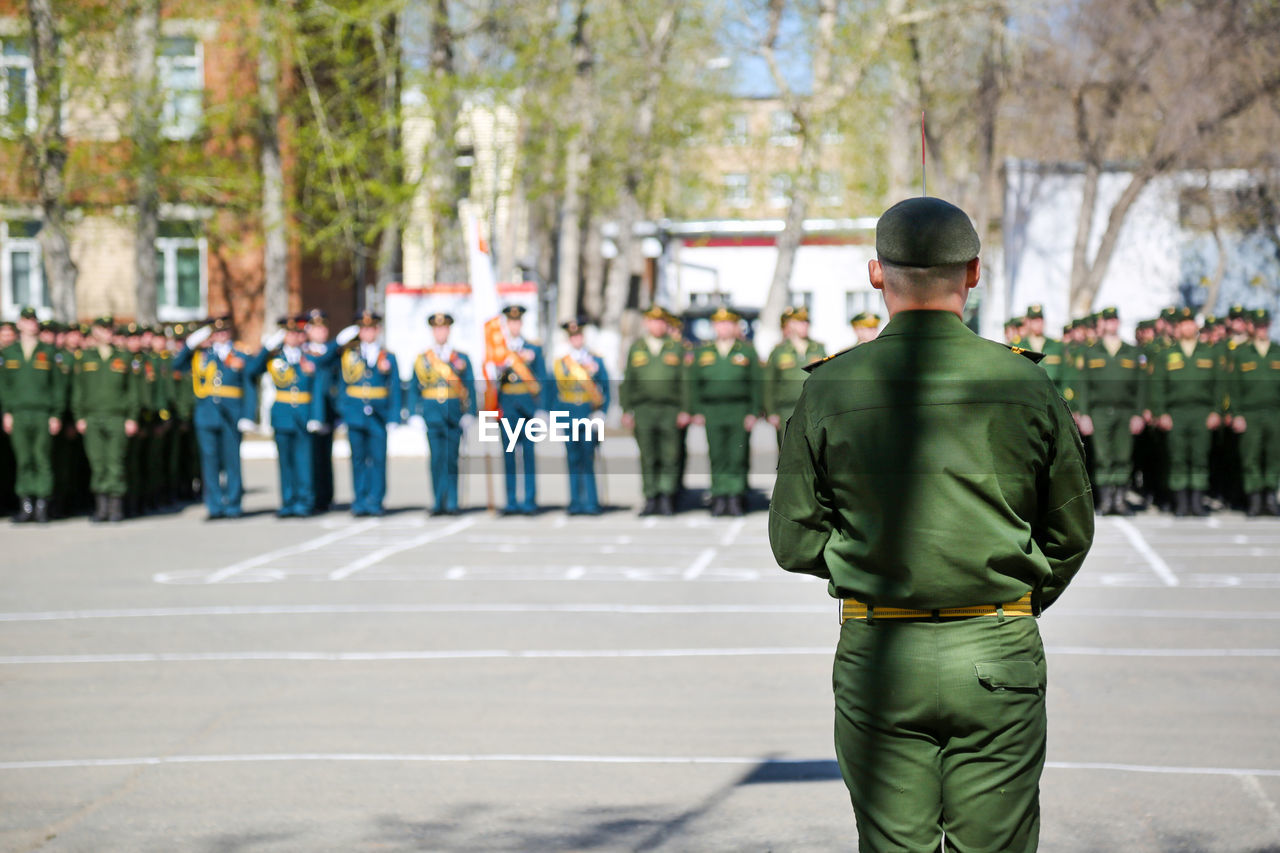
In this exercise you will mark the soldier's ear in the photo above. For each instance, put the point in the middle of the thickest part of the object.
(972, 273)
(875, 273)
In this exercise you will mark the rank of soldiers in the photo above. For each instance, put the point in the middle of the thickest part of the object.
(117, 420)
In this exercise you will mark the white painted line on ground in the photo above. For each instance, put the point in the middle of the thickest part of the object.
(731, 535)
(560, 654)
(475, 758)
(575, 572)
(290, 551)
(382, 553)
(458, 572)
(1253, 788)
(700, 564)
(1158, 565)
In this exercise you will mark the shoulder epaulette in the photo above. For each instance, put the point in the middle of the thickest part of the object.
(809, 368)
(1035, 357)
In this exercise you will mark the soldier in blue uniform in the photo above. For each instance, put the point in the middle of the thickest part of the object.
(368, 401)
(580, 388)
(225, 404)
(297, 415)
(324, 354)
(520, 395)
(442, 393)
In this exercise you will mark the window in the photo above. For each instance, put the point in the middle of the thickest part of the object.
(858, 301)
(737, 189)
(17, 87)
(801, 299)
(737, 130)
(22, 267)
(181, 71)
(780, 190)
(782, 128)
(181, 278)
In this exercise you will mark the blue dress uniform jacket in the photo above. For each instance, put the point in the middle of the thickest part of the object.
(301, 387)
(518, 397)
(225, 393)
(368, 400)
(441, 390)
(580, 387)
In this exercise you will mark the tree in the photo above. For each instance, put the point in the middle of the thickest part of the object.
(145, 103)
(275, 302)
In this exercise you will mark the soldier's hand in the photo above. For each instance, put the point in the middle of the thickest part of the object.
(465, 422)
(628, 420)
(1166, 422)
(749, 422)
(55, 426)
(130, 427)
(245, 425)
(1238, 424)
(682, 420)
(775, 421)
(699, 420)
(81, 426)
(314, 427)
(1137, 425)
(199, 336)
(8, 422)
(1086, 424)
(1147, 416)
(1213, 421)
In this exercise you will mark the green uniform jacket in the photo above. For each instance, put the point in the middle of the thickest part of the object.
(1254, 380)
(650, 379)
(37, 385)
(1117, 381)
(182, 397)
(712, 379)
(784, 376)
(1197, 381)
(104, 386)
(932, 468)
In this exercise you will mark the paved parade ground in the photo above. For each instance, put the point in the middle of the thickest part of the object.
(552, 683)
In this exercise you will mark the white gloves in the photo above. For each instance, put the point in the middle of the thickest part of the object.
(466, 421)
(417, 422)
(347, 335)
(315, 427)
(246, 425)
(274, 339)
(198, 337)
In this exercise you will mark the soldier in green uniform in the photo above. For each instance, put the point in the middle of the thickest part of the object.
(1055, 363)
(723, 391)
(1255, 408)
(784, 372)
(675, 327)
(32, 392)
(1012, 330)
(8, 500)
(937, 481)
(1188, 398)
(866, 327)
(1110, 404)
(651, 396)
(104, 401)
(183, 456)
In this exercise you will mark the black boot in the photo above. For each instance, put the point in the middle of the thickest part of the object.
(1103, 504)
(1270, 504)
(1253, 505)
(1198, 508)
(41, 513)
(666, 506)
(26, 511)
(99, 508)
(718, 505)
(736, 506)
(1120, 502)
(115, 509)
(650, 506)
(1182, 503)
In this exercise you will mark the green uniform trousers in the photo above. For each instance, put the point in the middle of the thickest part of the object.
(659, 439)
(1189, 445)
(105, 444)
(1260, 451)
(728, 447)
(32, 454)
(1112, 446)
(940, 728)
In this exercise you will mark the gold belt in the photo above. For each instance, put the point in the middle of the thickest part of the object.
(233, 392)
(851, 608)
(295, 398)
(441, 394)
(366, 392)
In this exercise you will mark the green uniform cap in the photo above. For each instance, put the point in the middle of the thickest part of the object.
(1261, 317)
(1109, 313)
(1236, 312)
(27, 313)
(926, 232)
(1035, 312)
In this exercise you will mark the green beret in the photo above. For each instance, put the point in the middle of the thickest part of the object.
(27, 313)
(926, 232)
(1035, 312)
(1012, 322)
(1236, 312)
(1261, 316)
(1181, 314)
(1109, 313)
(1169, 314)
